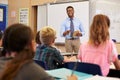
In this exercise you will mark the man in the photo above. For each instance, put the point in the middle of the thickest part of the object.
(72, 29)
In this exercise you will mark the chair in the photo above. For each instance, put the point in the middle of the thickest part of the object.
(114, 40)
(42, 64)
(114, 73)
(118, 56)
(84, 67)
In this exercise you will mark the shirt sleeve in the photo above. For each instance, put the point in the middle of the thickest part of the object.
(58, 57)
(37, 53)
(114, 53)
(82, 29)
(32, 71)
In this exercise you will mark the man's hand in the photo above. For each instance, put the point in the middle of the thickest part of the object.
(66, 32)
(77, 33)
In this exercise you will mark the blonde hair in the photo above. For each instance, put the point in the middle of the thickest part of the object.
(47, 35)
(99, 32)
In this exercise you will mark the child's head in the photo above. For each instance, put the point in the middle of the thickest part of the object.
(47, 35)
(99, 32)
(18, 42)
(17, 37)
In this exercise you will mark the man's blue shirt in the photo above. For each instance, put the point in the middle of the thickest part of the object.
(77, 27)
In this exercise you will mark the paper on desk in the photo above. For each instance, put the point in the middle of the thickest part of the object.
(97, 77)
(63, 73)
(58, 74)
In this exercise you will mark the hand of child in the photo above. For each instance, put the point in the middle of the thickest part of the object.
(73, 77)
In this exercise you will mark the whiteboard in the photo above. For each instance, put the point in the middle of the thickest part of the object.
(57, 14)
(41, 16)
(112, 10)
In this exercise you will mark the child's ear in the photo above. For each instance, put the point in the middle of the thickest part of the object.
(53, 40)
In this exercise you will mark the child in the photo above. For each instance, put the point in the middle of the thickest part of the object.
(49, 54)
(18, 41)
(99, 49)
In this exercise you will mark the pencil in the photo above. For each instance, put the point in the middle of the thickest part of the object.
(74, 68)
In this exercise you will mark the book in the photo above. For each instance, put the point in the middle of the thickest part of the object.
(75, 33)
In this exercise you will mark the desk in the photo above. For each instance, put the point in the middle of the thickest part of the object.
(102, 78)
(62, 73)
(68, 54)
(112, 66)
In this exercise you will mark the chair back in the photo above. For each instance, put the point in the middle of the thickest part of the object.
(114, 40)
(84, 67)
(119, 56)
(114, 73)
(42, 64)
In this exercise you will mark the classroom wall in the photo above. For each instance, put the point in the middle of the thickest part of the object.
(3, 1)
(13, 10)
(118, 47)
(111, 8)
(15, 5)
(40, 2)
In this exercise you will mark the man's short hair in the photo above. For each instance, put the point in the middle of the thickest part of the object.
(69, 7)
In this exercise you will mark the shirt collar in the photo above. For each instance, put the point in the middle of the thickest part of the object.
(69, 18)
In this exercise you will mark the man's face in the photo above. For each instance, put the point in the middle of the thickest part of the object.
(70, 12)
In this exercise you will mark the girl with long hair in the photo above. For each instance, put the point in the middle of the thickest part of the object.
(18, 42)
(99, 49)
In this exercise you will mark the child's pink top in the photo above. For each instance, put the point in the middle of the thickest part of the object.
(102, 55)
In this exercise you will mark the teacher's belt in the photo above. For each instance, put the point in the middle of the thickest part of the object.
(72, 39)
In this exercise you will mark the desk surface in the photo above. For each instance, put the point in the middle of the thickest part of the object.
(62, 73)
(68, 54)
(97, 77)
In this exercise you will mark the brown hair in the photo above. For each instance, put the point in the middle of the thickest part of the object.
(108, 20)
(17, 38)
(99, 32)
(37, 38)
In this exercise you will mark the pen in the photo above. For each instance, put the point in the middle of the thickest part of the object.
(74, 68)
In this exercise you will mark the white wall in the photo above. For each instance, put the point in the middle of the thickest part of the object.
(111, 8)
(41, 16)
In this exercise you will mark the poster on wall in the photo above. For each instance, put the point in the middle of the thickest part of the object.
(24, 16)
(1, 14)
